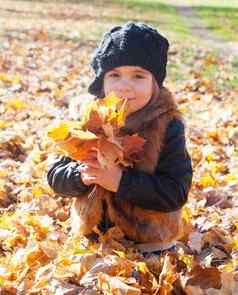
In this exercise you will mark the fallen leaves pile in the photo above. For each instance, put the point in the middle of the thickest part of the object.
(40, 80)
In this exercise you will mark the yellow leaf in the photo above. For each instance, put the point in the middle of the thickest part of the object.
(4, 124)
(65, 261)
(116, 108)
(187, 259)
(40, 224)
(2, 280)
(123, 112)
(16, 104)
(91, 107)
(3, 173)
(207, 180)
(218, 168)
(41, 35)
(59, 133)
(230, 177)
(81, 251)
(5, 78)
(235, 244)
(228, 267)
(2, 185)
(16, 80)
(5, 221)
(183, 109)
(210, 157)
(111, 100)
(84, 135)
(57, 92)
(142, 267)
(37, 191)
(186, 214)
(120, 253)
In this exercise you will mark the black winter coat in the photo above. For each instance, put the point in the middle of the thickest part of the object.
(166, 190)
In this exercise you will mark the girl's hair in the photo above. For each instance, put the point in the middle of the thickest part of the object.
(156, 88)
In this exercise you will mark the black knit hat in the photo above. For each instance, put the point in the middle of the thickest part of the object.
(135, 44)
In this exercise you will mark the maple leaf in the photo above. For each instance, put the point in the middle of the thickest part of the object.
(59, 133)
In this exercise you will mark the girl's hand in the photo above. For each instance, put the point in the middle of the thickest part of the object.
(108, 177)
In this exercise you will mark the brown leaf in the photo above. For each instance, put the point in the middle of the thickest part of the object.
(115, 286)
(205, 277)
(195, 241)
(192, 290)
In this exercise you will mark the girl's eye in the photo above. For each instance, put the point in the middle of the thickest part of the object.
(139, 76)
(113, 75)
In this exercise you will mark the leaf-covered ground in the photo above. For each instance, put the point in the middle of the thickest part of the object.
(42, 78)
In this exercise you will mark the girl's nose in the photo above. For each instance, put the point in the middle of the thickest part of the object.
(125, 90)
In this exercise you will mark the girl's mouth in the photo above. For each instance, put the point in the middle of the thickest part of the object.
(127, 98)
(130, 98)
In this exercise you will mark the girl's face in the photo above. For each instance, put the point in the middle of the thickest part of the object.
(132, 83)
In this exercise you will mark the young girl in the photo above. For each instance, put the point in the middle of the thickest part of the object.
(144, 201)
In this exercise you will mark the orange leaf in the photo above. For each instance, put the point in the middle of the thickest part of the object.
(94, 122)
(36, 255)
(110, 152)
(78, 148)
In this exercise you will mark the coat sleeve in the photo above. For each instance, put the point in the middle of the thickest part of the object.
(64, 178)
(167, 189)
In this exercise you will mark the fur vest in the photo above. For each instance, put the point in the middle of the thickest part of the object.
(138, 224)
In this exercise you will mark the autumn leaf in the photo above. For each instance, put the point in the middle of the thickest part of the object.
(16, 104)
(114, 285)
(78, 147)
(205, 278)
(59, 133)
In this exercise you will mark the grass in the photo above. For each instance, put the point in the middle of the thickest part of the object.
(223, 21)
(161, 15)
(217, 3)
(219, 16)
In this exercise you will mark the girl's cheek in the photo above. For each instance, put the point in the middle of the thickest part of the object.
(109, 86)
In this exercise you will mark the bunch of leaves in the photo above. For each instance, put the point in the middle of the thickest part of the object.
(99, 129)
